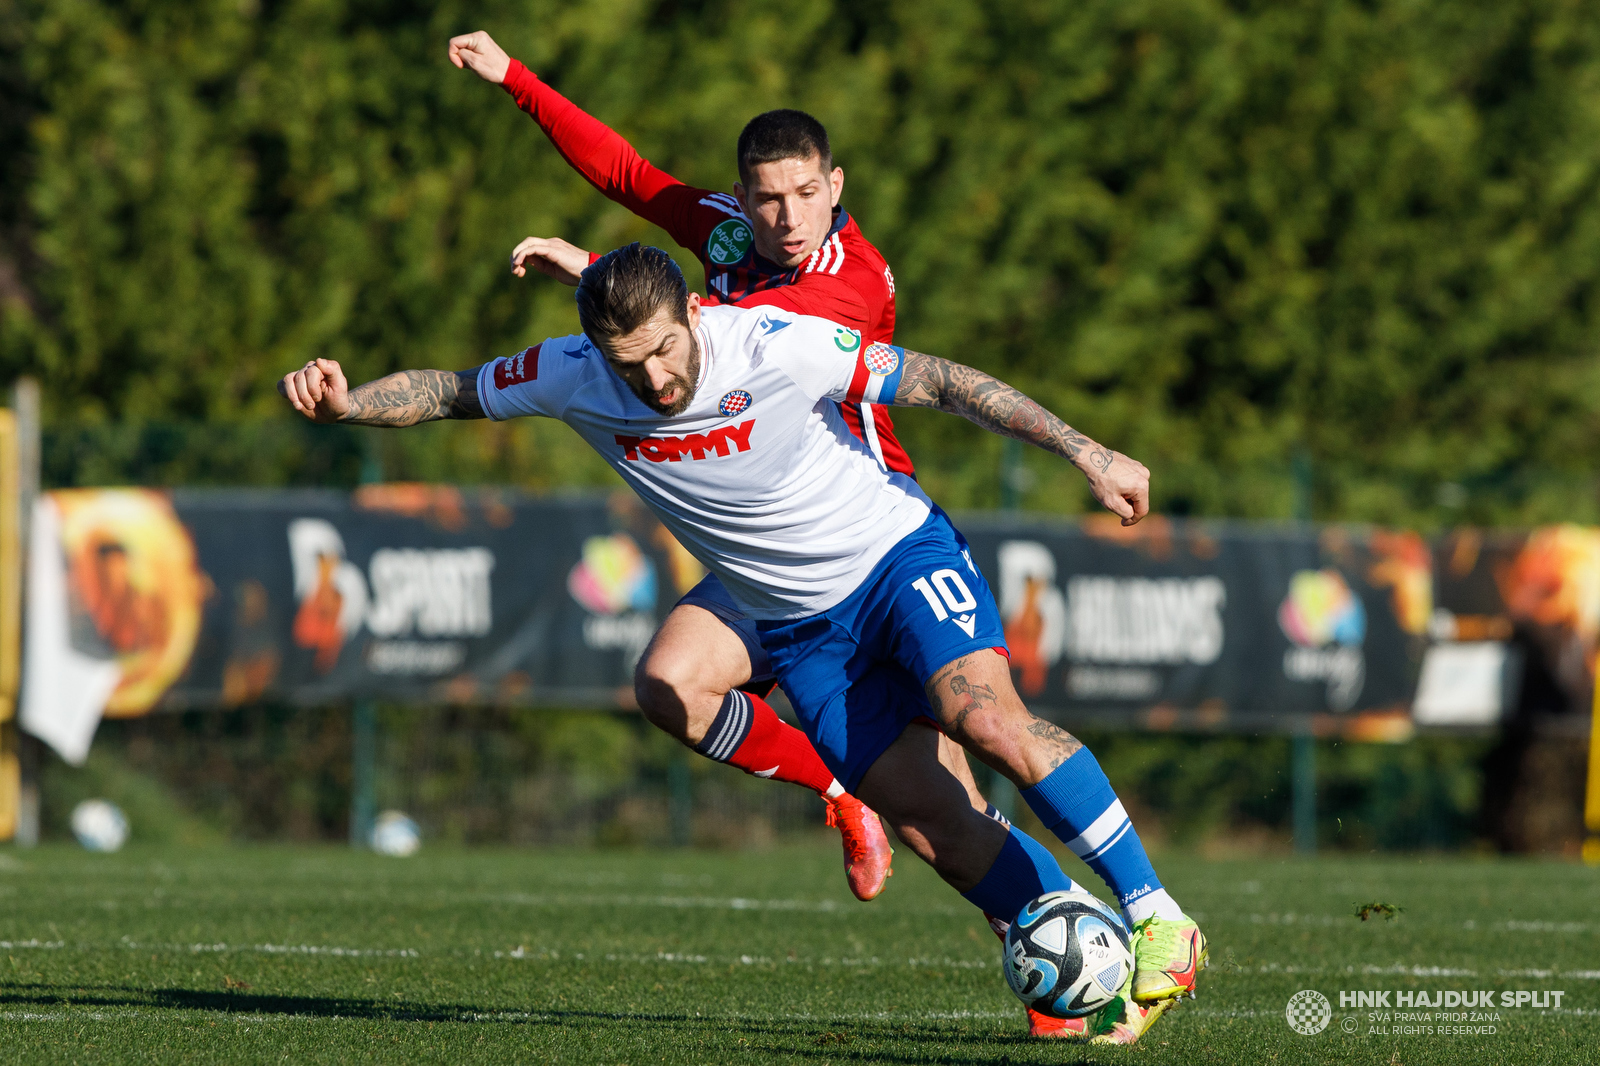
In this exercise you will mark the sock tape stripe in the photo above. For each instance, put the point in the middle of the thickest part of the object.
(1107, 846)
(727, 718)
(1107, 825)
(735, 729)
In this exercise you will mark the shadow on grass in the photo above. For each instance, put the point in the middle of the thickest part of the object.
(821, 1038)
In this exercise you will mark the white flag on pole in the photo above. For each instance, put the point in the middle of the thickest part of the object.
(63, 690)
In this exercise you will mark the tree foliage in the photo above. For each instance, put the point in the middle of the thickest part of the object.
(1215, 234)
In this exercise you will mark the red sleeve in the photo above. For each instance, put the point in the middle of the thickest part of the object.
(606, 159)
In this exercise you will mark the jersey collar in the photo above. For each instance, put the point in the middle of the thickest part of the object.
(706, 356)
(765, 266)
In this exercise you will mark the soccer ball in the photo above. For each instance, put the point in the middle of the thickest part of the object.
(1067, 954)
(99, 826)
(395, 834)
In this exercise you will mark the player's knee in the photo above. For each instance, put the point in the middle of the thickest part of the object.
(1001, 739)
(984, 734)
(676, 691)
(661, 687)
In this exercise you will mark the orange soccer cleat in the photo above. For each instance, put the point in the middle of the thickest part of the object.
(1050, 1027)
(866, 847)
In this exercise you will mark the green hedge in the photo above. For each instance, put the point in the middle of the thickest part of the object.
(1212, 233)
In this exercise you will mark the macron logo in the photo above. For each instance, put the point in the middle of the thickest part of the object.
(695, 445)
(522, 367)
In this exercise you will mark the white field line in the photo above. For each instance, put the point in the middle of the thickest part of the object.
(1546, 927)
(275, 949)
(1397, 968)
(520, 952)
(690, 958)
(549, 955)
(1513, 926)
(717, 903)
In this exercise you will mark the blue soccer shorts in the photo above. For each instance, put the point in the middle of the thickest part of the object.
(711, 595)
(855, 673)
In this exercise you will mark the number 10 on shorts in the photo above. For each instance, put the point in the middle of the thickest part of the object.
(955, 595)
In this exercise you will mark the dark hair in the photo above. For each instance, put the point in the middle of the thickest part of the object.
(782, 134)
(623, 289)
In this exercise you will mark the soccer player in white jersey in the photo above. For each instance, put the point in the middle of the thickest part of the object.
(866, 598)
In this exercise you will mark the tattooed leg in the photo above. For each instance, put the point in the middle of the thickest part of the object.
(976, 704)
(1061, 744)
(1059, 779)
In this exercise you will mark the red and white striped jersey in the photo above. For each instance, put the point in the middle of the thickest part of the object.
(846, 280)
(758, 477)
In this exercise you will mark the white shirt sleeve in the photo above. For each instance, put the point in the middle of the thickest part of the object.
(536, 381)
(827, 360)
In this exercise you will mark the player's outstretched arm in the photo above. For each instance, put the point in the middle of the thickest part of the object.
(319, 391)
(1121, 484)
(603, 156)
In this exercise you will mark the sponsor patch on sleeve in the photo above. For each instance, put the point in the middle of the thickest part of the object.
(729, 242)
(517, 370)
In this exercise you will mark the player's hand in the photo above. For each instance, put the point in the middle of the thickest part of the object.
(318, 390)
(1121, 484)
(478, 52)
(551, 256)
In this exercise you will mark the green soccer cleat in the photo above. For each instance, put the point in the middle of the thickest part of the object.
(1122, 1021)
(1168, 957)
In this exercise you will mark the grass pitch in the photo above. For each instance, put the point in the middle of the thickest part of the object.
(323, 955)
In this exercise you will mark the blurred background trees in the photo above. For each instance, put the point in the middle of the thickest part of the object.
(1217, 234)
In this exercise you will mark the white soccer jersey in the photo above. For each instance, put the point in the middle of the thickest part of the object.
(759, 478)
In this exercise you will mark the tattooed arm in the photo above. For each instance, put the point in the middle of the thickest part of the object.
(1121, 484)
(319, 391)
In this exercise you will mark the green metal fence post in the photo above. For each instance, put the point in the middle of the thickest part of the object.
(1305, 791)
(1304, 760)
(680, 799)
(363, 772)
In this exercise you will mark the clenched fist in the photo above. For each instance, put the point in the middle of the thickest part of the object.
(1121, 484)
(318, 390)
(479, 52)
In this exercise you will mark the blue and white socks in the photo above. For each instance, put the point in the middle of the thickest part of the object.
(1076, 802)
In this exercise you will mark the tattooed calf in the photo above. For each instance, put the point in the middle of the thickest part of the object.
(1062, 744)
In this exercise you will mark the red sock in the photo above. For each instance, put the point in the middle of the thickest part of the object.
(749, 734)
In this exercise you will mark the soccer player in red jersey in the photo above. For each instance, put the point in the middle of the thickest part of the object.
(779, 239)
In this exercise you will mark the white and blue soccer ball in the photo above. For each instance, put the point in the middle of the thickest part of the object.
(99, 826)
(395, 834)
(1067, 954)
